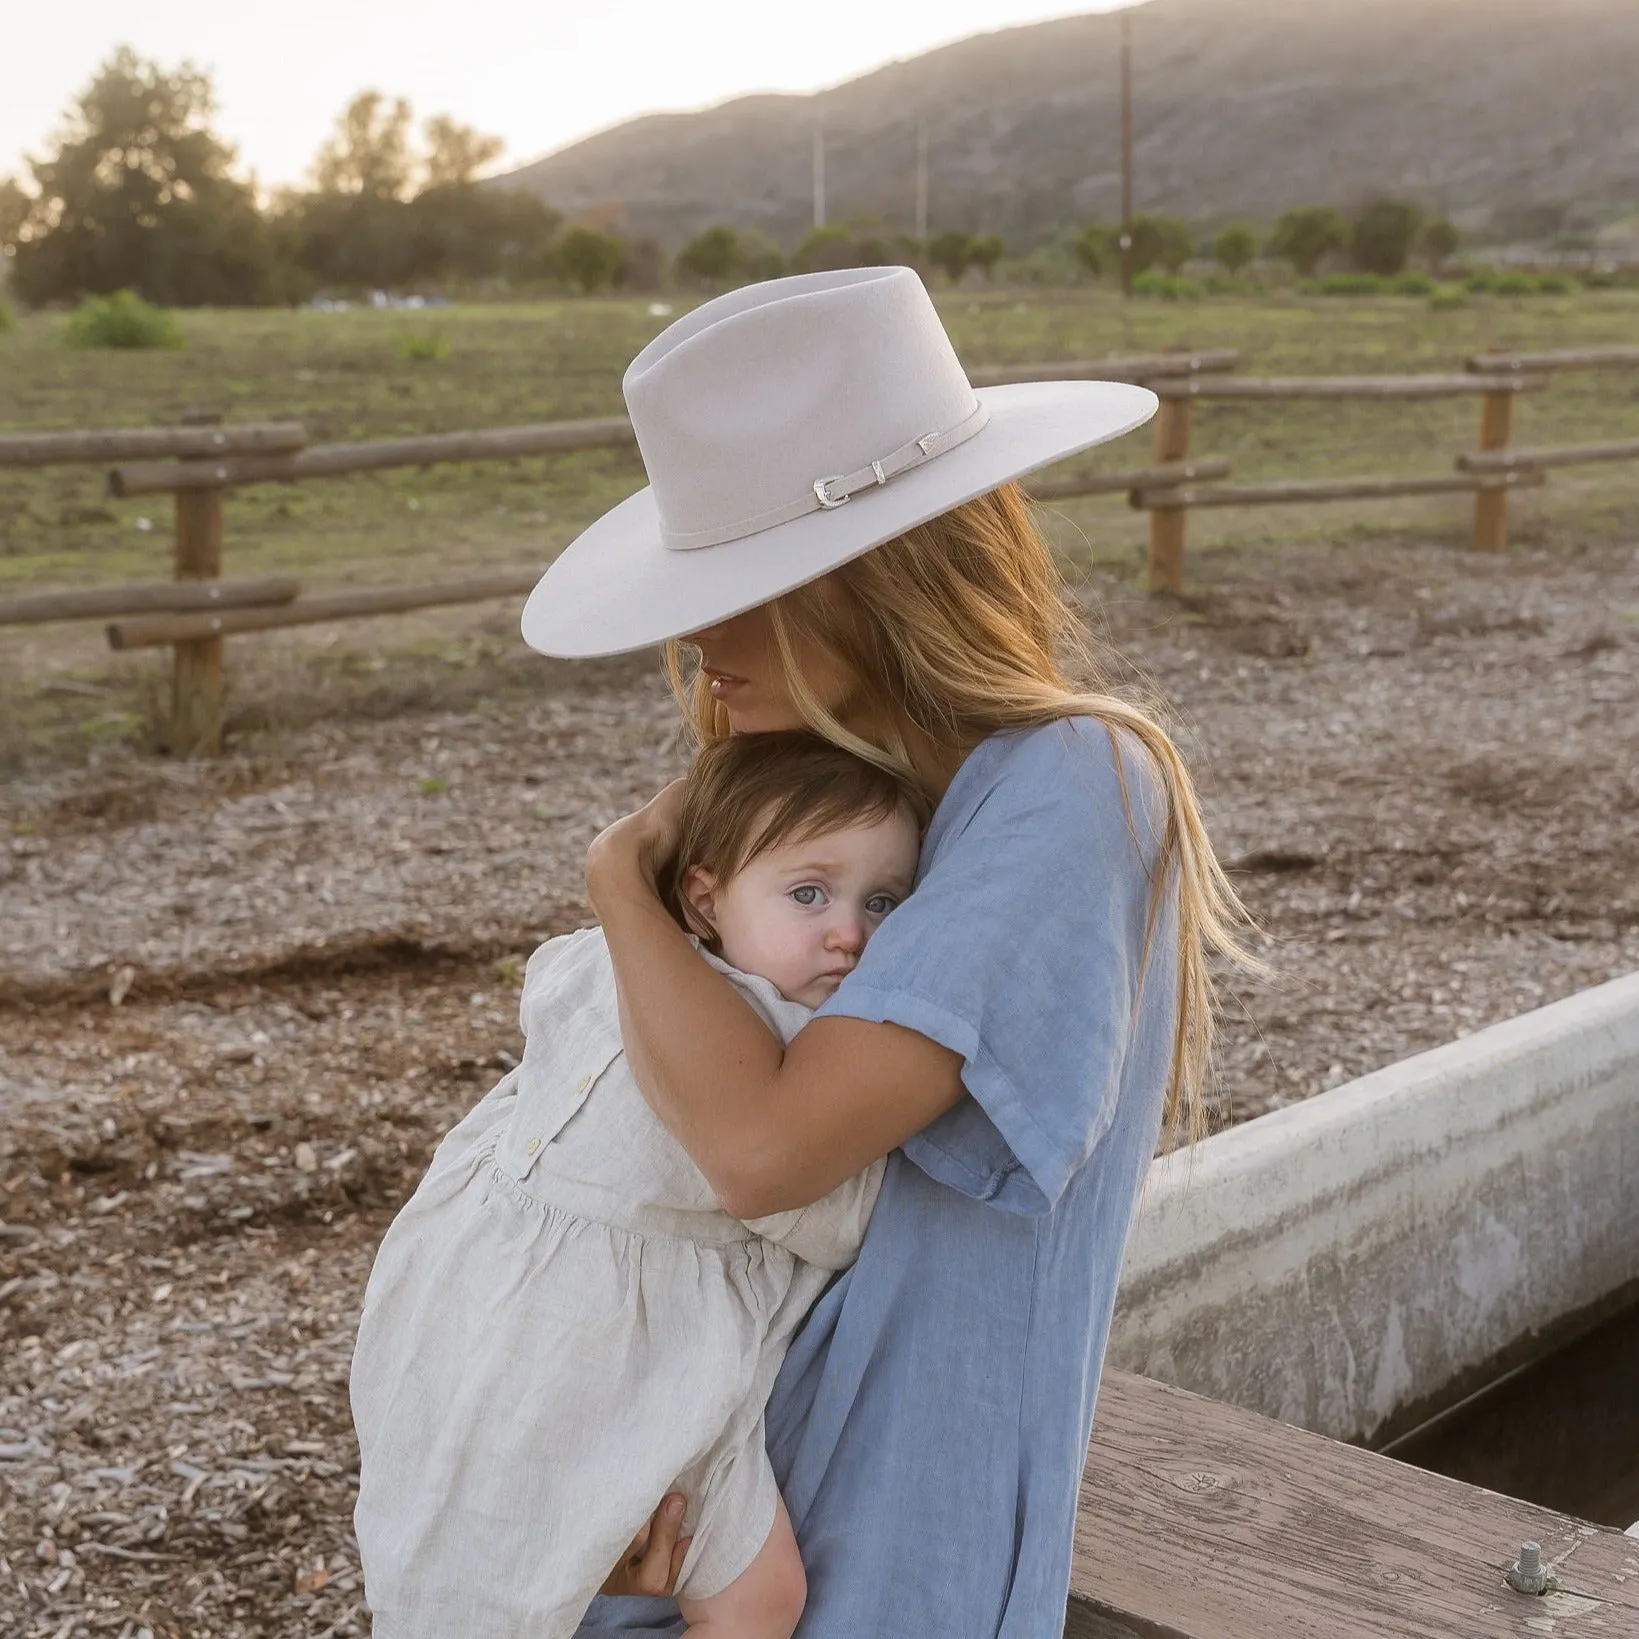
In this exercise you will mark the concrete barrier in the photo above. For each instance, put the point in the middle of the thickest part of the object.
(1355, 1262)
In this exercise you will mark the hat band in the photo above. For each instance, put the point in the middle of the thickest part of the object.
(825, 494)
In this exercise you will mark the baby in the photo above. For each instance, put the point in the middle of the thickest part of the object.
(562, 1324)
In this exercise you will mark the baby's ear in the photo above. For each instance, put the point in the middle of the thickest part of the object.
(698, 892)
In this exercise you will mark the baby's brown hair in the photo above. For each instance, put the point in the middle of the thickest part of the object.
(751, 792)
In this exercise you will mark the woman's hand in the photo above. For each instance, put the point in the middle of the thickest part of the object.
(629, 853)
(655, 1559)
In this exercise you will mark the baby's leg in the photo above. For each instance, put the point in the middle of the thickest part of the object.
(764, 1600)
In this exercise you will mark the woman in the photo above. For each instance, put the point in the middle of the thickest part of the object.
(832, 526)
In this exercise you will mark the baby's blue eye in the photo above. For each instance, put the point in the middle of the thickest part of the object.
(807, 894)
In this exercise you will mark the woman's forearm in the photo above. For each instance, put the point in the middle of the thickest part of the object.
(771, 1127)
(705, 1061)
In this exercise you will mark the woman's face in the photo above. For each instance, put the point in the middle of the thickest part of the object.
(741, 660)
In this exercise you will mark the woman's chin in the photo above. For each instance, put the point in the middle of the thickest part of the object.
(750, 719)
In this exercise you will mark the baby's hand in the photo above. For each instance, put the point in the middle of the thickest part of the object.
(655, 1559)
(635, 846)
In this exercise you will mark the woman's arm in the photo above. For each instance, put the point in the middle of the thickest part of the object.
(771, 1128)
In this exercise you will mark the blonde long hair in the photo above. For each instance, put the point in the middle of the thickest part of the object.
(959, 629)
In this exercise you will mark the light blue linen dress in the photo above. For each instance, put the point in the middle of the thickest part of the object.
(931, 1420)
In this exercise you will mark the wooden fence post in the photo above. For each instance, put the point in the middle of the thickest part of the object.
(196, 678)
(1166, 556)
(1491, 505)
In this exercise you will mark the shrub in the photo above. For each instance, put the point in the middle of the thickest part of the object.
(1097, 248)
(1513, 284)
(1303, 236)
(1413, 284)
(1439, 242)
(1234, 246)
(985, 252)
(950, 252)
(6, 319)
(588, 258)
(1166, 287)
(422, 346)
(1445, 297)
(1554, 284)
(713, 257)
(1383, 235)
(122, 320)
(1479, 283)
(1161, 241)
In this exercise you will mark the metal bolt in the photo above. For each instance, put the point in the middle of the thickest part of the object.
(1526, 1573)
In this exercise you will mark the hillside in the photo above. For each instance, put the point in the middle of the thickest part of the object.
(1479, 108)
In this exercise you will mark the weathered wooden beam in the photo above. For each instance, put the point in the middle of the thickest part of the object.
(1325, 489)
(1564, 358)
(1113, 483)
(1565, 455)
(144, 597)
(1141, 369)
(1164, 559)
(1200, 1520)
(336, 460)
(196, 673)
(1336, 387)
(139, 443)
(381, 600)
(1491, 505)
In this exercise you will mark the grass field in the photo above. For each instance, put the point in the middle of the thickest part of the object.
(350, 376)
(345, 376)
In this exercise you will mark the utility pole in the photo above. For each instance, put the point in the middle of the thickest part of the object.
(819, 178)
(1126, 153)
(922, 185)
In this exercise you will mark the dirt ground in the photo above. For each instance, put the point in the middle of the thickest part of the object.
(239, 1002)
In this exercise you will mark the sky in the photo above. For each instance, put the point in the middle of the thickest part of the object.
(537, 73)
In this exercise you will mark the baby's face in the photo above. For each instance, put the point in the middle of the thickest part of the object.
(800, 914)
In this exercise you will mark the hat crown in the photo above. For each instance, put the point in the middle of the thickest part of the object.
(745, 406)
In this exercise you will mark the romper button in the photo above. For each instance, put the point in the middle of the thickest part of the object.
(583, 1084)
(531, 1147)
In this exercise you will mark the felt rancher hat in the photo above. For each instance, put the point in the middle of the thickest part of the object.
(786, 428)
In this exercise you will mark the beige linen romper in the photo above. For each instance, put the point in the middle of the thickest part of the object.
(562, 1324)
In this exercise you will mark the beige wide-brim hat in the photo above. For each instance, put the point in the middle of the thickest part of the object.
(786, 428)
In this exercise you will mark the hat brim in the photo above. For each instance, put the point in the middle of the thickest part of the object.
(616, 588)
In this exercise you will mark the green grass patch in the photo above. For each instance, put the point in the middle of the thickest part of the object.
(422, 346)
(1165, 287)
(122, 320)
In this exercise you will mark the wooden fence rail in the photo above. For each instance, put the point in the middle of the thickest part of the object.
(1489, 473)
(341, 460)
(139, 443)
(1566, 358)
(197, 463)
(153, 631)
(144, 597)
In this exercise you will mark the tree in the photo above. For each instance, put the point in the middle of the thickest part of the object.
(1234, 246)
(985, 252)
(369, 151)
(139, 195)
(15, 206)
(1439, 242)
(1161, 240)
(713, 257)
(588, 258)
(1383, 235)
(1096, 248)
(951, 251)
(455, 153)
(1303, 236)
(824, 250)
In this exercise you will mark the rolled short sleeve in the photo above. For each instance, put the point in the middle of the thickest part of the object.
(1021, 950)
